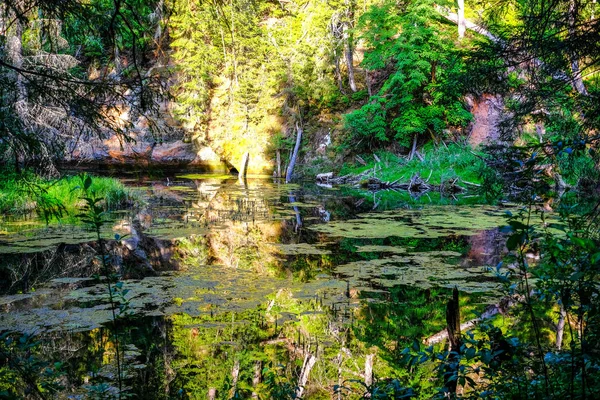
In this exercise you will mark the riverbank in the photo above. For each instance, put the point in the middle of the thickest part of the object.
(446, 168)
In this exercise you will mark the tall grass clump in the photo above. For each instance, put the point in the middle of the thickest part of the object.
(25, 193)
(439, 164)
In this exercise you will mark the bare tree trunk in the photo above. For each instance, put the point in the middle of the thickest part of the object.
(278, 163)
(560, 327)
(14, 52)
(158, 16)
(117, 56)
(235, 374)
(349, 52)
(349, 43)
(257, 378)
(244, 167)
(461, 19)
(233, 55)
(369, 370)
(290, 169)
(309, 363)
(340, 358)
(577, 79)
(338, 72)
(368, 82)
(453, 326)
(212, 394)
(414, 148)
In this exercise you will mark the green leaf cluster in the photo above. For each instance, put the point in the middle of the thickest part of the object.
(422, 92)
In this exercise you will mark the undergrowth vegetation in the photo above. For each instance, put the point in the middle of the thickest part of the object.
(440, 163)
(27, 193)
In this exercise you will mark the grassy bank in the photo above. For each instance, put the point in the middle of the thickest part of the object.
(26, 193)
(439, 164)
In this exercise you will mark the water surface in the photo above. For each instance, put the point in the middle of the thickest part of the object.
(256, 273)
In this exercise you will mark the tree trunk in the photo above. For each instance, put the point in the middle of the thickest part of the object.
(414, 148)
(575, 71)
(212, 394)
(243, 167)
(369, 370)
(278, 163)
(461, 19)
(290, 169)
(257, 378)
(338, 72)
(349, 43)
(309, 363)
(453, 326)
(14, 53)
(560, 327)
(235, 374)
(349, 52)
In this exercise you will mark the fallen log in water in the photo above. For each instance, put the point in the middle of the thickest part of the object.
(415, 185)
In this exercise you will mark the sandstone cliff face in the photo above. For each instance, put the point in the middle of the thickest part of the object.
(488, 112)
(159, 140)
(163, 141)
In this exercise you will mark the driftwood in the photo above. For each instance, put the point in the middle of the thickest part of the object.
(415, 185)
(325, 177)
(489, 312)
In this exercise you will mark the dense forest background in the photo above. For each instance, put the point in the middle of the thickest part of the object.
(81, 80)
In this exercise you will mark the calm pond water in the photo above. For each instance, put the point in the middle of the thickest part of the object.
(233, 286)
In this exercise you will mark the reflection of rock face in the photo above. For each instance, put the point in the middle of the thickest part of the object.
(487, 248)
(242, 230)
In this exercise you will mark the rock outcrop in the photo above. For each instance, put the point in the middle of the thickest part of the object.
(488, 113)
(159, 140)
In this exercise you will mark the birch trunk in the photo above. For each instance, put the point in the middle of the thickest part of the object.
(278, 163)
(461, 19)
(560, 327)
(244, 167)
(369, 370)
(235, 374)
(290, 169)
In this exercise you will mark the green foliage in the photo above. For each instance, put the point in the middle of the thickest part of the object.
(56, 198)
(440, 163)
(422, 94)
(66, 72)
(24, 372)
